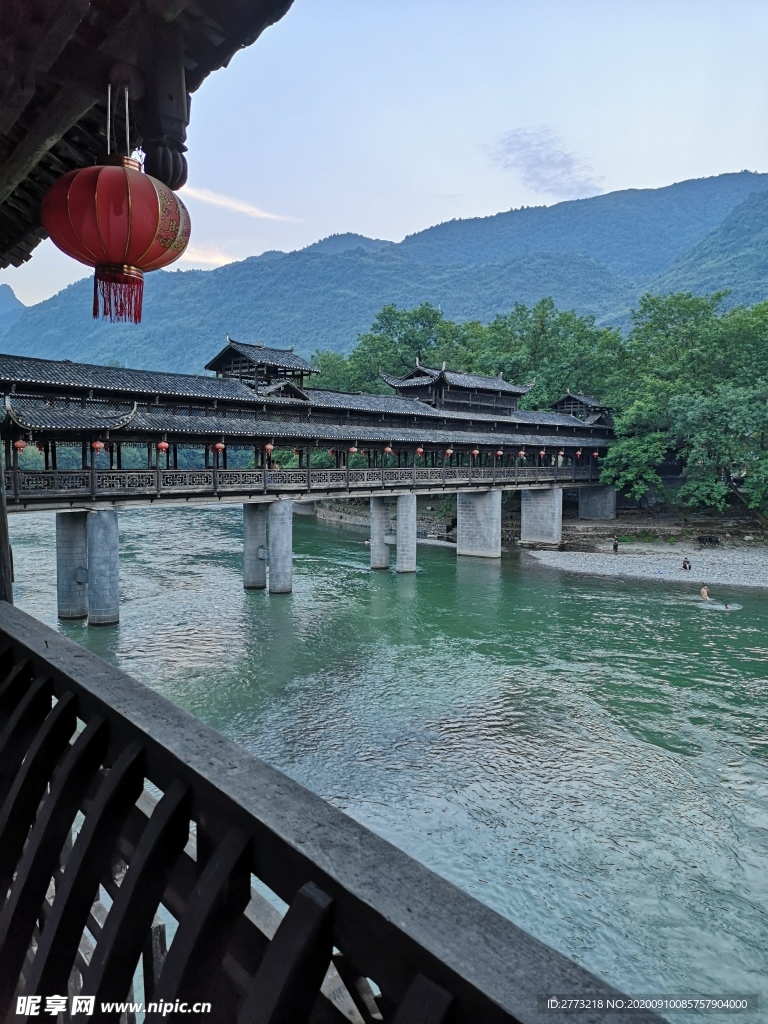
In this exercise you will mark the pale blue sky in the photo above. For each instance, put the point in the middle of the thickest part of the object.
(386, 116)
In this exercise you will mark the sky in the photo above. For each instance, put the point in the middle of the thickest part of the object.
(384, 117)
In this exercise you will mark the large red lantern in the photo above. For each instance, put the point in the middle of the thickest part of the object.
(475, 452)
(163, 446)
(122, 222)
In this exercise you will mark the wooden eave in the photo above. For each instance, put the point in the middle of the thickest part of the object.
(56, 57)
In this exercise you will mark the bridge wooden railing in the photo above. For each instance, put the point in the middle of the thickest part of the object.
(29, 487)
(119, 810)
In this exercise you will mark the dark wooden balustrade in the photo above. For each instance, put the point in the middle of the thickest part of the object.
(41, 487)
(122, 814)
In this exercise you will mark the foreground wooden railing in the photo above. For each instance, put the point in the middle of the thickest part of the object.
(120, 813)
(94, 484)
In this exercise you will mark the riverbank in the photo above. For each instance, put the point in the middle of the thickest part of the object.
(743, 566)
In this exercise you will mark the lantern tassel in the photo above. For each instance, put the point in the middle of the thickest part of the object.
(117, 294)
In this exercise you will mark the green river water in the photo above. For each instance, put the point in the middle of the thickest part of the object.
(588, 757)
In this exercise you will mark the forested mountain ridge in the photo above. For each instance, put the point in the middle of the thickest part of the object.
(592, 256)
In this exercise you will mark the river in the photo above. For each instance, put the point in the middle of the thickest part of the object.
(588, 757)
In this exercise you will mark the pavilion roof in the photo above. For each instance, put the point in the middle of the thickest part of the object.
(587, 400)
(262, 355)
(422, 375)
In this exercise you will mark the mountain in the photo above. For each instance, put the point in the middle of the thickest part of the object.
(593, 255)
(733, 256)
(11, 308)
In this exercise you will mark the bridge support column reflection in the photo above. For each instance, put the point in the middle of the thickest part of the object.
(281, 546)
(541, 515)
(254, 546)
(406, 533)
(478, 524)
(379, 546)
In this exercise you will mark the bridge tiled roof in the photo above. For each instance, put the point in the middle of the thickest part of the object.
(422, 375)
(99, 415)
(63, 373)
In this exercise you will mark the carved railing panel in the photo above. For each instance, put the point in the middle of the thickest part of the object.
(106, 783)
(187, 479)
(239, 479)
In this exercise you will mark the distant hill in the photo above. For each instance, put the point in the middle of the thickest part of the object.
(11, 308)
(594, 256)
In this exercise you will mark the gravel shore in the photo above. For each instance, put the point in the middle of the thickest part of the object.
(736, 567)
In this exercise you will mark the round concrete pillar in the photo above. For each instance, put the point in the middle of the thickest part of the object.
(281, 546)
(254, 546)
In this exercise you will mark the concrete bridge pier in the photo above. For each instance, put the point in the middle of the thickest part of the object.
(406, 533)
(281, 546)
(72, 565)
(379, 546)
(541, 517)
(597, 502)
(478, 526)
(254, 546)
(103, 568)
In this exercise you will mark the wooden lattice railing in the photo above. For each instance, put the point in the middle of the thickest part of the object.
(123, 816)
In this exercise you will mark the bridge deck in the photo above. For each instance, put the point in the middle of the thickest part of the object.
(81, 488)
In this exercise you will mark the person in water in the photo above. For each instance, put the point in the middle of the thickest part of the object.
(686, 564)
(705, 593)
(727, 607)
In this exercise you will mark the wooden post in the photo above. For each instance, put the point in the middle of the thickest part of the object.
(6, 556)
(119, 456)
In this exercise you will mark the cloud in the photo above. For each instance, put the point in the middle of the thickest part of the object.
(205, 195)
(544, 164)
(208, 255)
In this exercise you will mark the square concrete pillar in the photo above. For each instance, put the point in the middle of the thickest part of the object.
(254, 546)
(478, 526)
(379, 547)
(597, 502)
(103, 568)
(541, 517)
(281, 546)
(72, 565)
(406, 533)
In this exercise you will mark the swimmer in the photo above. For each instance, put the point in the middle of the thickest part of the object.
(704, 593)
(727, 608)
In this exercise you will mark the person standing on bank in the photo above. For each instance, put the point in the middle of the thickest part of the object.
(615, 545)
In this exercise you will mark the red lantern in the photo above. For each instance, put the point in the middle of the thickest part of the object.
(499, 454)
(561, 453)
(387, 450)
(19, 445)
(449, 452)
(521, 453)
(120, 221)
(595, 455)
(353, 450)
(475, 453)
(542, 453)
(578, 454)
(163, 446)
(269, 448)
(98, 447)
(420, 452)
(219, 446)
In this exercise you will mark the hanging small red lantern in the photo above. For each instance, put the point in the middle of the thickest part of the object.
(561, 454)
(578, 454)
(420, 452)
(163, 446)
(353, 450)
(219, 446)
(388, 450)
(122, 222)
(475, 453)
(499, 454)
(19, 445)
(98, 447)
(595, 455)
(542, 453)
(521, 453)
(449, 452)
(269, 448)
